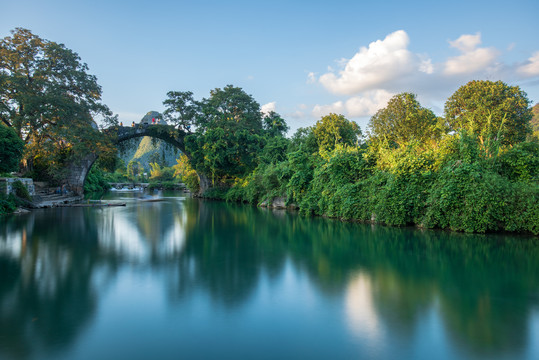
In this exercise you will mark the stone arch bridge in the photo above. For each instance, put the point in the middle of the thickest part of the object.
(78, 171)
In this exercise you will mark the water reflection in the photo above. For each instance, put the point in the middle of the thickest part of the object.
(57, 265)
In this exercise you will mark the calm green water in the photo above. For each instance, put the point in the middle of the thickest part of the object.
(189, 279)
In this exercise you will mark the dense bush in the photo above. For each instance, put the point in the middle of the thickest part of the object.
(463, 183)
(95, 181)
(21, 191)
(8, 204)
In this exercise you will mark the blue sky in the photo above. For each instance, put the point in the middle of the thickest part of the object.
(303, 59)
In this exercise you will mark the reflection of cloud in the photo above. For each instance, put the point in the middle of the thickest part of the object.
(125, 239)
(131, 243)
(362, 317)
(174, 240)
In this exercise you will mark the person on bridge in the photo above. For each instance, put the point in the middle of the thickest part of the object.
(133, 124)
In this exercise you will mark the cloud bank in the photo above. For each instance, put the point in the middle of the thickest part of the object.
(386, 67)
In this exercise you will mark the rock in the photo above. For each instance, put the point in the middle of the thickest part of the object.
(278, 202)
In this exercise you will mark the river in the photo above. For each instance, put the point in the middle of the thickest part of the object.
(191, 279)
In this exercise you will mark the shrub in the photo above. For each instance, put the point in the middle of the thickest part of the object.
(21, 190)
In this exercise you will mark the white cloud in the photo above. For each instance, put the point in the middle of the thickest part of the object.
(466, 43)
(323, 110)
(473, 59)
(384, 61)
(532, 67)
(297, 114)
(367, 104)
(426, 66)
(311, 78)
(267, 108)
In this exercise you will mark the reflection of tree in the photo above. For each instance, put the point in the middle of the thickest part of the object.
(222, 254)
(45, 291)
(408, 271)
(483, 286)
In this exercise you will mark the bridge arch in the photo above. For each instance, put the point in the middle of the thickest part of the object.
(78, 172)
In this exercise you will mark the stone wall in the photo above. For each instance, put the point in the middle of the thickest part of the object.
(77, 174)
(7, 185)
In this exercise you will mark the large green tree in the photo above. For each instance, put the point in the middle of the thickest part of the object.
(489, 108)
(403, 120)
(334, 129)
(226, 130)
(274, 124)
(181, 110)
(48, 98)
(11, 149)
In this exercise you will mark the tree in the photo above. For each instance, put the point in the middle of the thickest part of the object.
(11, 149)
(335, 129)
(181, 109)
(48, 98)
(488, 108)
(134, 170)
(228, 136)
(402, 121)
(186, 173)
(274, 124)
(231, 108)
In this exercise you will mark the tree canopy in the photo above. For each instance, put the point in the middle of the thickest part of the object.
(11, 149)
(488, 108)
(47, 96)
(334, 129)
(226, 132)
(403, 120)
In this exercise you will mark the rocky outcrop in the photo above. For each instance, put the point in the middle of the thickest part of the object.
(278, 202)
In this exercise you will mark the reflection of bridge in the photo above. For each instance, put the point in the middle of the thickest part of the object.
(78, 171)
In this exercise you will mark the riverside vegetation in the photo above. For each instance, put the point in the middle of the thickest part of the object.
(474, 169)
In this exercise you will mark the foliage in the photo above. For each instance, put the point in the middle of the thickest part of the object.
(520, 162)
(486, 107)
(410, 171)
(465, 197)
(8, 204)
(134, 170)
(305, 140)
(21, 191)
(48, 98)
(274, 150)
(181, 109)
(186, 173)
(274, 125)
(96, 180)
(228, 137)
(11, 149)
(333, 130)
(161, 174)
(534, 123)
(403, 120)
